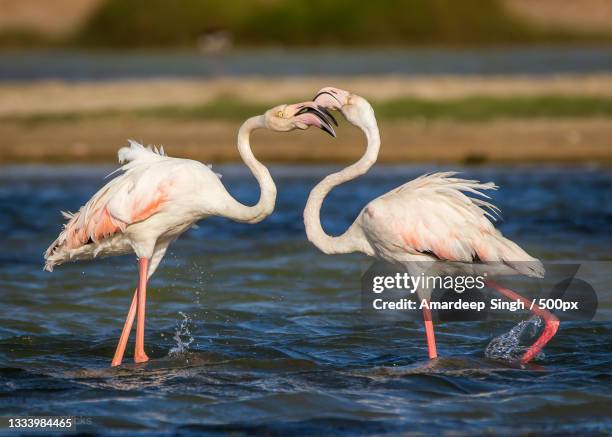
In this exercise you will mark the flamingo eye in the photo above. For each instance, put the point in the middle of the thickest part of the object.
(280, 114)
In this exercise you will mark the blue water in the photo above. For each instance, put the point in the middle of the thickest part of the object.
(103, 65)
(251, 330)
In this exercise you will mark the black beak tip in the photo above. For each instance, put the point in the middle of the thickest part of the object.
(329, 130)
(322, 114)
(327, 114)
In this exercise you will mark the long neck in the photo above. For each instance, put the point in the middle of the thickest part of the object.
(352, 240)
(264, 207)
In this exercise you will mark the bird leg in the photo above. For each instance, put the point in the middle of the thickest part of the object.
(139, 354)
(551, 321)
(429, 332)
(125, 334)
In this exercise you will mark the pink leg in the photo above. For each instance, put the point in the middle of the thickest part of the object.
(550, 320)
(429, 333)
(139, 354)
(125, 334)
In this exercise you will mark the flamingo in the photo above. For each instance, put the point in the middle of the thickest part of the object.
(156, 198)
(427, 221)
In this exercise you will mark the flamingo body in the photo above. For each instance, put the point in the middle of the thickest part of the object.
(153, 201)
(431, 218)
(156, 198)
(436, 223)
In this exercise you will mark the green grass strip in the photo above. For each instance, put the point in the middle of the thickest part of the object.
(466, 109)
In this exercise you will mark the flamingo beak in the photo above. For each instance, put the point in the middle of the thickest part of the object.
(323, 94)
(319, 117)
(328, 114)
(332, 98)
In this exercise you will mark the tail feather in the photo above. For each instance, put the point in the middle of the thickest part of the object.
(514, 256)
(504, 250)
(458, 187)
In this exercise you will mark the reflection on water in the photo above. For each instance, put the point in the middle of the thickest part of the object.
(279, 345)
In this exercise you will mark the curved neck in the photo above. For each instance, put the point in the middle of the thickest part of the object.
(352, 240)
(267, 198)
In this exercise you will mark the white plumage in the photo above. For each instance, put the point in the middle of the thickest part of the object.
(436, 224)
(156, 198)
(166, 193)
(433, 218)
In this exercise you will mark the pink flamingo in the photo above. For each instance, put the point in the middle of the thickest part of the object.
(421, 223)
(157, 198)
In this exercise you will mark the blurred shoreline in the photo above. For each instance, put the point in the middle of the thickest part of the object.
(446, 119)
(23, 99)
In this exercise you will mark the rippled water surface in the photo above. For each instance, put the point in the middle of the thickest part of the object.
(251, 330)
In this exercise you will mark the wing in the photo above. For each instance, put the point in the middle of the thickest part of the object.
(435, 216)
(135, 195)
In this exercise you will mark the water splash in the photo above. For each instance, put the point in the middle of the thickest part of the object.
(514, 343)
(182, 336)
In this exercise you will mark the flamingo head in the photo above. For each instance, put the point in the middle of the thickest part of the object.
(332, 98)
(355, 108)
(285, 118)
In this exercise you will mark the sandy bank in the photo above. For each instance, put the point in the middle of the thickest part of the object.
(58, 97)
(97, 140)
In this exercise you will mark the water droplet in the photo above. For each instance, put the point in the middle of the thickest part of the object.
(514, 343)
(182, 336)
